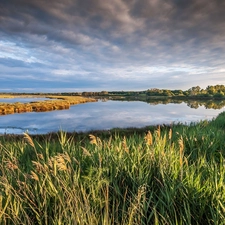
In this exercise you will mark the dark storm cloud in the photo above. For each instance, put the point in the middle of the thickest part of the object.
(79, 22)
(100, 40)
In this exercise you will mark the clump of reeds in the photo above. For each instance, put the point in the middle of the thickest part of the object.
(174, 176)
(58, 103)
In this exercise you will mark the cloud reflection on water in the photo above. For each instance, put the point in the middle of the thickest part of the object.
(104, 115)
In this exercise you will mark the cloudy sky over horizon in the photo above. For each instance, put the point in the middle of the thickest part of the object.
(95, 45)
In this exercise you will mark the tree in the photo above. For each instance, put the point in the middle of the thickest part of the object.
(194, 90)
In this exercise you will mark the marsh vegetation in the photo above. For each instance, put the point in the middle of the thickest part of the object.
(55, 103)
(156, 175)
(170, 174)
(193, 96)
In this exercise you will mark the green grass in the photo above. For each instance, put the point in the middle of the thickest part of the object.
(167, 175)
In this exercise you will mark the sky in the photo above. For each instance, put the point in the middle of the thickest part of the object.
(96, 45)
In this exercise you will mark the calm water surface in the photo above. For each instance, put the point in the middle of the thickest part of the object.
(23, 100)
(103, 115)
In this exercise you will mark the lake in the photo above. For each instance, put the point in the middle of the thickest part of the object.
(23, 100)
(104, 115)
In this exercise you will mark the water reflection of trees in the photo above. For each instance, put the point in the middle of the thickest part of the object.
(192, 103)
(208, 104)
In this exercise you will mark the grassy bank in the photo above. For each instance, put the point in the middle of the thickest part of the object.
(163, 175)
(56, 103)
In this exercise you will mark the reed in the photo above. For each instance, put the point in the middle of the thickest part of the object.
(56, 103)
(171, 175)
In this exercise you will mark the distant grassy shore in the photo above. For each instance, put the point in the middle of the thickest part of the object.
(156, 175)
(54, 103)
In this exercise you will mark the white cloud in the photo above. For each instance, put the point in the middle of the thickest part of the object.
(137, 44)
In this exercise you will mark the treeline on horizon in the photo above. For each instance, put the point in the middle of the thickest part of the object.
(216, 91)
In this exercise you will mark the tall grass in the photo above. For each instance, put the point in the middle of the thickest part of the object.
(57, 103)
(165, 176)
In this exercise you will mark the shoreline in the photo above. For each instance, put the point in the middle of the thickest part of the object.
(127, 131)
(119, 169)
(119, 130)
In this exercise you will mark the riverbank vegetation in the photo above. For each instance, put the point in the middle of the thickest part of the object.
(211, 97)
(210, 92)
(196, 92)
(156, 175)
(54, 103)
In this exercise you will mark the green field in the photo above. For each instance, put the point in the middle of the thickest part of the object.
(155, 175)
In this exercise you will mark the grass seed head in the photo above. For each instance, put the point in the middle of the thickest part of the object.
(34, 176)
(170, 134)
(76, 161)
(124, 144)
(61, 164)
(86, 152)
(148, 138)
(110, 141)
(58, 162)
(99, 141)
(28, 139)
(38, 166)
(181, 145)
(12, 166)
(40, 156)
(158, 131)
(93, 139)
(67, 157)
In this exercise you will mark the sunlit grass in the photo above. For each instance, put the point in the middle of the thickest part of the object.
(169, 175)
(56, 103)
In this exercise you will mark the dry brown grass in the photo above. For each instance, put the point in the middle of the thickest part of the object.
(55, 103)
